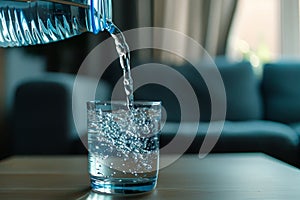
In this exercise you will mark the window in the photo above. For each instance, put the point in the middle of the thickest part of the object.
(255, 33)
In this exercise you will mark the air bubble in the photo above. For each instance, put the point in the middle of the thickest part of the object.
(149, 167)
(114, 173)
(119, 154)
(100, 174)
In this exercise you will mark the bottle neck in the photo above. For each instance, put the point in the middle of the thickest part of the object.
(101, 15)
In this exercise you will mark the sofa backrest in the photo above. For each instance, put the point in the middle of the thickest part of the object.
(41, 118)
(43, 121)
(244, 101)
(280, 86)
(241, 86)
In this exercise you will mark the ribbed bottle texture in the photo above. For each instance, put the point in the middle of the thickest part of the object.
(30, 22)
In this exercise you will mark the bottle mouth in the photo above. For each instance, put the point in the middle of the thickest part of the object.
(101, 14)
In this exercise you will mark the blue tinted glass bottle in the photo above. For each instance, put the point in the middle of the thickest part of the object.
(30, 22)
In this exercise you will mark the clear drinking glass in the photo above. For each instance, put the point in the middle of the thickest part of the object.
(123, 146)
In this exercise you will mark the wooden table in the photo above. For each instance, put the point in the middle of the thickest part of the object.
(218, 176)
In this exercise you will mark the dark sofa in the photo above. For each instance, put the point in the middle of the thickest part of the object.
(263, 113)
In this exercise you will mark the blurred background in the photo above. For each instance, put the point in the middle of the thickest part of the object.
(253, 30)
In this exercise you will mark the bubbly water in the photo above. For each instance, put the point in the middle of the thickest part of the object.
(124, 148)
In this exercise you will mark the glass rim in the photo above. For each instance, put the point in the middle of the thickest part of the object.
(124, 103)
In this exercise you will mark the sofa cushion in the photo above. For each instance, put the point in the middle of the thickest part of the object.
(244, 100)
(243, 97)
(281, 91)
(273, 138)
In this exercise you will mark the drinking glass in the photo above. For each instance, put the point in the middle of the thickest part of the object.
(123, 144)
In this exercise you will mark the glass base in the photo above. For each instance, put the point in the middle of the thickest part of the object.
(123, 186)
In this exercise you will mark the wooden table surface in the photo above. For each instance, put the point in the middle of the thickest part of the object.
(218, 176)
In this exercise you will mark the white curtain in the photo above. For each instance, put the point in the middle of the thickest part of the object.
(290, 31)
(206, 21)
